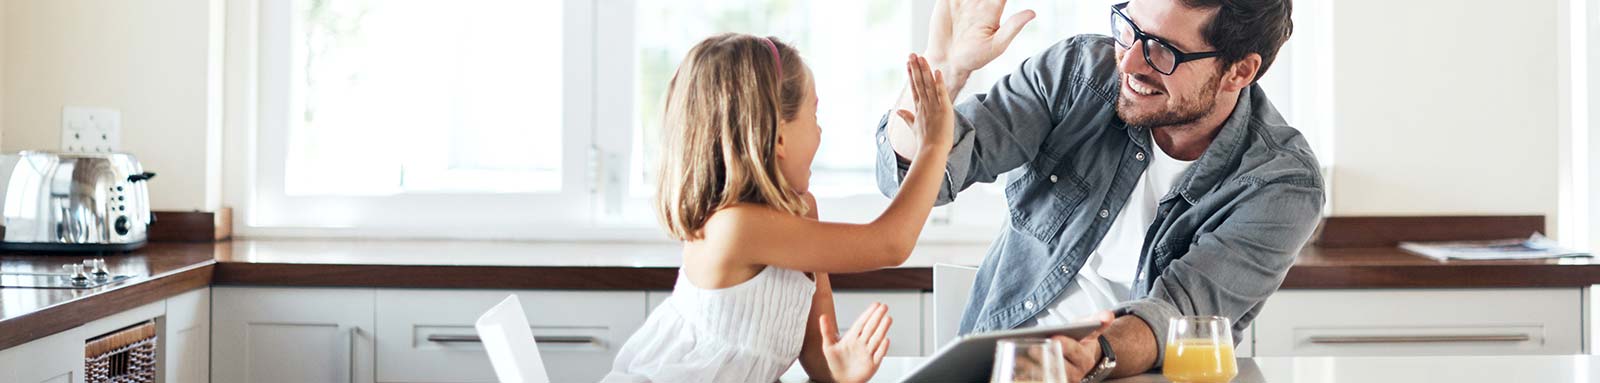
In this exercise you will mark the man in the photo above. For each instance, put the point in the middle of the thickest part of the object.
(1148, 175)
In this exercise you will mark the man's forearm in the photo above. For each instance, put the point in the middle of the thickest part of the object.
(902, 138)
(1135, 345)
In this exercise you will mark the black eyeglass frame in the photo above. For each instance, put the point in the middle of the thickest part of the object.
(1178, 56)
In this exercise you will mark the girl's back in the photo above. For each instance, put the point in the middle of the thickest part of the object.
(750, 332)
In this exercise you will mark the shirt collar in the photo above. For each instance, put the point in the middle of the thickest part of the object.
(1212, 165)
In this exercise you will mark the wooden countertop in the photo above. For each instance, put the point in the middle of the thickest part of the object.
(167, 269)
(160, 270)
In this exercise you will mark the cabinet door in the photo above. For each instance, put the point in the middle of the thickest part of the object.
(428, 335)
(270, 335)
(1404, 322)
(905, 334)
(1591, 320)
(53, 359)
(188, 339)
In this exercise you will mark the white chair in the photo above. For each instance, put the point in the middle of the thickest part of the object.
(508, 338)
(952, 288)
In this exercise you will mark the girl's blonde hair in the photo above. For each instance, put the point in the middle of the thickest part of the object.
(720, 131)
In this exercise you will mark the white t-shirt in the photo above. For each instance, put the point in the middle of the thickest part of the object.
(1107, 277)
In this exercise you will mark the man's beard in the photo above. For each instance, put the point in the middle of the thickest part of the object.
(1189, 109)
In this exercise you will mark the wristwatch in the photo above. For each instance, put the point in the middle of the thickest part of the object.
(1108, 362)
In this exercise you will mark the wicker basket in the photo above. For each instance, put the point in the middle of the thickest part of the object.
(125, 356)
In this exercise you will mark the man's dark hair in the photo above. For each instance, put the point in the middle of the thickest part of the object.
(1242, 27)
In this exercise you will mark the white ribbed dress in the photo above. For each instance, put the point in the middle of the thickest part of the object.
(750, 332)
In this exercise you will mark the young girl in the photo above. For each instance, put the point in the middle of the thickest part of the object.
(753, 293)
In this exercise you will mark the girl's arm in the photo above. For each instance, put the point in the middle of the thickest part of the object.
(757, 235)
(811, 358)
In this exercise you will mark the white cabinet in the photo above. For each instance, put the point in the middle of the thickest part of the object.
(428, 335)
(188, 337)
(905, 334)
(1591, 320)
(53, 359)
(271, 335)
(1420, 322)
(58, 358)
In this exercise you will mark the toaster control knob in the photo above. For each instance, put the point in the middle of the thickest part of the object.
(121, 225)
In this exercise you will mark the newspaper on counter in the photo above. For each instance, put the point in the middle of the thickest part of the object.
(1534, 247)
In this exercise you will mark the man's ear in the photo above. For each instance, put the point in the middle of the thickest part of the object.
(1241, 74)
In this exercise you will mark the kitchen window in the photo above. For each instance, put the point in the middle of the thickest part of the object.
(527, 120)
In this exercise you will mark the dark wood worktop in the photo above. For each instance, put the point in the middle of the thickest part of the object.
(167, 269)
(161, 270)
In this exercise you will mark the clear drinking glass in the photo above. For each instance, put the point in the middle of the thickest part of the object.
(1028, 360)
(1199, 350)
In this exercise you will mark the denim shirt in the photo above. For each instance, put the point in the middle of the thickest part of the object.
(1222, 240)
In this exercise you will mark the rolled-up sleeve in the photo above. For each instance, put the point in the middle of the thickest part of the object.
(996, 131)
(1231, 271)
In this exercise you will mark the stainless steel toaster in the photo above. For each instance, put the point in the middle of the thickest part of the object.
(73, 202)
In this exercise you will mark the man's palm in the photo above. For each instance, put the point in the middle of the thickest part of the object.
(967, 34)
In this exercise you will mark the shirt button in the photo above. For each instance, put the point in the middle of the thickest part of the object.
(1139, 156)
(1052, 178)
(883, 139)
(1105, 213)
(1027, 305)
(1066, 269)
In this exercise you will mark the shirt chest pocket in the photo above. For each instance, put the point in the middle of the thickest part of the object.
(1041, 202)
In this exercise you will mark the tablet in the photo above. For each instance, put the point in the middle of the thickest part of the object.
(970, 357)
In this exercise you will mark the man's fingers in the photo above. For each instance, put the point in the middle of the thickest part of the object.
(1075, 374)
(1011, 28)
(1073, 352)
(939, 26)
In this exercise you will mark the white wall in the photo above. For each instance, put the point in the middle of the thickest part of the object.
(1462, 123)
(156, 61)
(1446, 107)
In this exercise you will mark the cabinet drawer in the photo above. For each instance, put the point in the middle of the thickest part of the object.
(1420, 322)
(428, 335)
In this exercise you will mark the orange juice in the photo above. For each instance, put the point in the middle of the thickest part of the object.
(1199, 361)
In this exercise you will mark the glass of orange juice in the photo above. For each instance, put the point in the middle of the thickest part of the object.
(1199, 350)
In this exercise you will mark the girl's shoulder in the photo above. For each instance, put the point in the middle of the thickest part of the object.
(743, 220)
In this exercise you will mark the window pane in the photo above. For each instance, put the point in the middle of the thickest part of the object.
(856, 50)
(419, 96)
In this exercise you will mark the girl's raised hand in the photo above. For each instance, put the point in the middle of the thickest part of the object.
(934, 120)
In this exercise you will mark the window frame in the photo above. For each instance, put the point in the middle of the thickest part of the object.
(596, 202)
(258, 88)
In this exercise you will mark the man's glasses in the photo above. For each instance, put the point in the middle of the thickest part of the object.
(1159, 54)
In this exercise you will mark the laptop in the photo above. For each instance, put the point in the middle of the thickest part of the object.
(508, 338)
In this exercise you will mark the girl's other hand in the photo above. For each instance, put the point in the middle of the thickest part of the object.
(855, 355)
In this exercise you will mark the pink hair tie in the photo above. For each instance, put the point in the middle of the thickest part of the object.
(775, 60)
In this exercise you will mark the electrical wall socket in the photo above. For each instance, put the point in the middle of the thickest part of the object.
(90, 130)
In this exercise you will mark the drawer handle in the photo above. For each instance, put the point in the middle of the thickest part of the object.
(536, 339)
(1419, 339)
